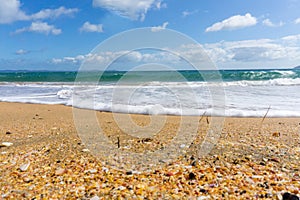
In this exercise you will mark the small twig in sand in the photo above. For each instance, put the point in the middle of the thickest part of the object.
(207, 120)
(202, 116)
(118, 142)
(263, 119)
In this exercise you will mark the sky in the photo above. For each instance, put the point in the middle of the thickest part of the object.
(61, 34)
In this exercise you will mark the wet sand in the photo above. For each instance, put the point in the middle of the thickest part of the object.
(42, 157)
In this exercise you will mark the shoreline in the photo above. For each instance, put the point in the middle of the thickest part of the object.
(143, 114)
(45, 137)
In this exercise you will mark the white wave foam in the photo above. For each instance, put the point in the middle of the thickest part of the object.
(155, 98)
(285, 73)
(64, 94)
(273, 82)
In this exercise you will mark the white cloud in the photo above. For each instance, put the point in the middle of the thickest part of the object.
(40, 27)
(268, 22)
(133, 9)
(262, 50)
(104, 58)
(160, 5)
(234, 22)
(21, 52)
(88, 27)
(10, 11)
(57, 60)
(159, 28)
(292, 40)
(69, 60)
(297, 21)
(53, 13)
(187, 13)
(261, 53)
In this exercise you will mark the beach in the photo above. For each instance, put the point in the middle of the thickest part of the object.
(43, 157)
(149, 99)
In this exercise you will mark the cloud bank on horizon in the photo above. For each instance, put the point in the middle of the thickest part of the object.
(59, 35)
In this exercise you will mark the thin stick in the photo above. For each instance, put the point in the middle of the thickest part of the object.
(118, 142)
(202, 116)
(265, 114)
(261, 123)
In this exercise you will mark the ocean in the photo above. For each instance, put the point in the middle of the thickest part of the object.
(244, 93)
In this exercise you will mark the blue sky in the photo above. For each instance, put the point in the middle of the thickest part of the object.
(60, 34)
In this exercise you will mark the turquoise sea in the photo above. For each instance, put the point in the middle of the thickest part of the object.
(244, 92)
(165, 76)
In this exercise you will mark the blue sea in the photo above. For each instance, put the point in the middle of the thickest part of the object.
(245, 93)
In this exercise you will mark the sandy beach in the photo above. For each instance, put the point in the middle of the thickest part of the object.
(42, 157)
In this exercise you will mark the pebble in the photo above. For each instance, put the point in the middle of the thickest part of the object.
(192, 176)
(276, 134)
(95, 198)
(24, 167)
(60, 171)
(6, 144)
(129, 173)
(105, 169)
(121, 188)
(203, 198)
(92, 171)
(289, 196)
(274, 160)
(27, 179)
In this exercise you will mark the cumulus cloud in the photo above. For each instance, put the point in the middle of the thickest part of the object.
(267, 53)
(40, 27)
(262, 50)
(88, 27)
(159, 28)
(10, 11)
(133, 9)
(234, 22)
(268, 22)
(297, 21)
